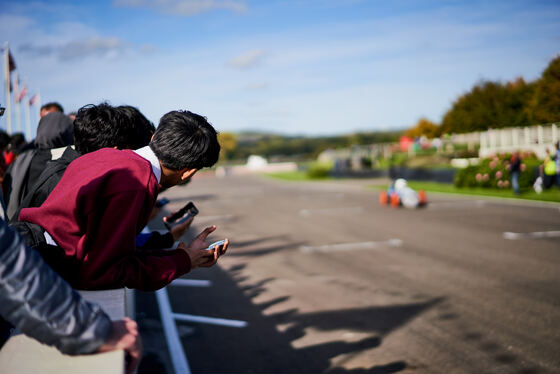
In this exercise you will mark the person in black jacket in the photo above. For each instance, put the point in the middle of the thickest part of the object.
(61, 318)
(54, 131)
(515, 168)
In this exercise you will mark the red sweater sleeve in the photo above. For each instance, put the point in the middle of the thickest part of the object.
(111, 259)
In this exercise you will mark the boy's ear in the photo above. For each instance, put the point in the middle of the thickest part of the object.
(187, 173)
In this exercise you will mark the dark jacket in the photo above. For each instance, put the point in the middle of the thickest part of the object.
(48, 179)
(55, 130)
(42, 305)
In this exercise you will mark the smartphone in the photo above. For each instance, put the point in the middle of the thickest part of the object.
(184, 213)
(216, 244)
(161, 202)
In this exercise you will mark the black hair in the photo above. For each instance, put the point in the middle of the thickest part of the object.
(136, 130)
(53, 105)
(4, 140)
(17, 142)
(101, 126)
(185, 140)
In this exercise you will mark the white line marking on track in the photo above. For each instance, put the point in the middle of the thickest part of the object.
(308, 212)
(178, 357)
(531, 235)
(191, 282)
(351, 246)
(210, 320)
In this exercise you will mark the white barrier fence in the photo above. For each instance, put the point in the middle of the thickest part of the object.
(536, 139)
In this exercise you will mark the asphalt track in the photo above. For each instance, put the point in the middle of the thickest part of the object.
(329, 281)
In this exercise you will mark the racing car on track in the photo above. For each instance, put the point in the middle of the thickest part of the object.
(400, 194)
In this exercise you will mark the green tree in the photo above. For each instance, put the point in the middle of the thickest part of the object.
(544, 105)
(489, 105)
(228, 144)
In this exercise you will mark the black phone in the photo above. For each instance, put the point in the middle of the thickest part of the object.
(186, 212)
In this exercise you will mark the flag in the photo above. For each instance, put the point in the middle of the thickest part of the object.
(11, 62)
(12, 67)
(33, 99)
(22, 93)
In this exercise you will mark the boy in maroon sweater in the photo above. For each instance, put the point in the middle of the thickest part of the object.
(105, 198)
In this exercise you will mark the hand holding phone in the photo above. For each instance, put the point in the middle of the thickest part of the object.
(216, 244)
(188, 211)
(200, 253)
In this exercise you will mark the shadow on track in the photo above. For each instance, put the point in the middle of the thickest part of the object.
(261, 347)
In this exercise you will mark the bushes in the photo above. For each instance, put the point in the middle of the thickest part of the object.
(494, 173)
(318, 170)
(466, 177)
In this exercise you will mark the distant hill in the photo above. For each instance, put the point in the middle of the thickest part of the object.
(238, 146)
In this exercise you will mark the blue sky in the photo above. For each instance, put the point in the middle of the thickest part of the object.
(299, 67)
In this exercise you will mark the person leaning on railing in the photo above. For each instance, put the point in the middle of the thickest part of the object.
(38, 302)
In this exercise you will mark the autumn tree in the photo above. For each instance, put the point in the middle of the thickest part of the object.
(424, 127)
(489, 105)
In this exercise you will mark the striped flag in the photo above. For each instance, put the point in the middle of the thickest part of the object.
(33, 99)
(22, 93)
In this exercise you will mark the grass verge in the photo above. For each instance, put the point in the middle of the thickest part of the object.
(294, 176)
(551, 195)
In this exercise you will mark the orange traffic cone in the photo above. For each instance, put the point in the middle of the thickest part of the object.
(422, 198)
(383, 198)
(395, 201)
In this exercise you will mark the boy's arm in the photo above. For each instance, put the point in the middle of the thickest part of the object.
(112, 260)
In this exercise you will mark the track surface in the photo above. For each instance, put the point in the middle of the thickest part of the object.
(330, 281)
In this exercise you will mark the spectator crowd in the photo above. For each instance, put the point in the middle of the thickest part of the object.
(74, 202)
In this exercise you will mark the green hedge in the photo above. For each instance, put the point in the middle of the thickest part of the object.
(319, 170)
(494, 173)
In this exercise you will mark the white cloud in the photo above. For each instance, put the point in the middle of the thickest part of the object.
(63, 40)
(77, 49)
(257, 86)
(247, 60)
(184, 7)
(13, 27)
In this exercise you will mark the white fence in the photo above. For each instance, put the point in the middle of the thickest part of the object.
(536, 139)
